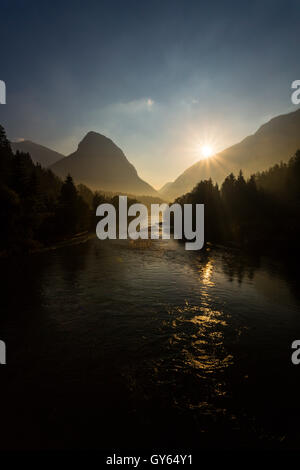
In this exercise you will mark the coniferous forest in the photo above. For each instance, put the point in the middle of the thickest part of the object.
(260, 211)
(37, 208)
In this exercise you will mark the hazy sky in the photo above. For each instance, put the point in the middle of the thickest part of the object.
(161, 78)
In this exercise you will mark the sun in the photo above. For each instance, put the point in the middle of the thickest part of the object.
(207, 151)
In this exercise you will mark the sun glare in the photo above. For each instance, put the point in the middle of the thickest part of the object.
(206, 151)
(203, 144)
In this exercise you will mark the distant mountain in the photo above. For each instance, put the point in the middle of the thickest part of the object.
(100, 164)
(165, 187)
(39, 153)
(275, 141)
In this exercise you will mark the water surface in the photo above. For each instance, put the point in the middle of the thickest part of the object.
(143, 344)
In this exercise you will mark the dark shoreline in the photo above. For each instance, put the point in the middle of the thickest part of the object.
(76, 239)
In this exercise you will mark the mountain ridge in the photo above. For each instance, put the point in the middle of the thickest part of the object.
(274, 141)
(39, 153)
(100, 164)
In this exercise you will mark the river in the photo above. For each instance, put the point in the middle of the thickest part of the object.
(137, 344)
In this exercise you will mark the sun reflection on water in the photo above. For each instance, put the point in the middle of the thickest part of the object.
(199, 331)
(206, 274)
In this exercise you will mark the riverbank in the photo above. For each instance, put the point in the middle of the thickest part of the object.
(36, 247)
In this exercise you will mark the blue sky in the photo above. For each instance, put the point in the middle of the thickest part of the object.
(161, 78)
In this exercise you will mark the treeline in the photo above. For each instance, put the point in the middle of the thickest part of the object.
(36, 207)
(262, 210)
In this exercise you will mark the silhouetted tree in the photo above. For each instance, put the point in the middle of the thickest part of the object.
(5, 158)
(261, 210)
(72, 211)
(35, 206)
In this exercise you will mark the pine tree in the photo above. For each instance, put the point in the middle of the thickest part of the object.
(5, 158)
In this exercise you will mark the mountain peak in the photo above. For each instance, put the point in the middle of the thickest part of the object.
(95, 139)
(95, 145)
(100, 164)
